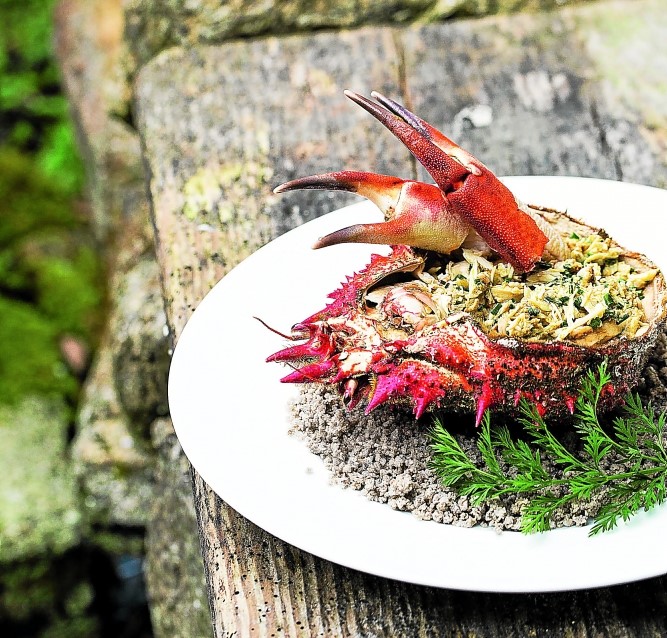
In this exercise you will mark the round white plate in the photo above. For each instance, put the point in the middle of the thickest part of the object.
(230, 413)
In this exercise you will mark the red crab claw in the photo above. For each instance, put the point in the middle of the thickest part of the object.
(417, 214)
(471, 190)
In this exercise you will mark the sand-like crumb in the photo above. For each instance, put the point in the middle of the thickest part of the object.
(386, 456)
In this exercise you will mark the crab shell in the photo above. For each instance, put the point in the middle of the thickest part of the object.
(381, 354)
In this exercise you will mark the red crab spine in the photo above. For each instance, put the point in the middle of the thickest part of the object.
(451, 362)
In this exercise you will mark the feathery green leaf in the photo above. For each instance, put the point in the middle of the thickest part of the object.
(512, 466)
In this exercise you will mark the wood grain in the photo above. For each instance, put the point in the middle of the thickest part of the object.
(275, 108)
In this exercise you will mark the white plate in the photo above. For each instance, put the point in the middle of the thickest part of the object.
(230, 414)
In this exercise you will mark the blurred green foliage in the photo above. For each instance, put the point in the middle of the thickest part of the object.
(49, 273)
(34, 113)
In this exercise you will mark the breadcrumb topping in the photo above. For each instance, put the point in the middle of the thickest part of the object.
(588, 298)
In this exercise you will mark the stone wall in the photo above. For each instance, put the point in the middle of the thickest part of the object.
(43, 581)
(132, 478)
(129, 468)
(153, 25)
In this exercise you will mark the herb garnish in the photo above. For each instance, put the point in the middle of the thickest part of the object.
(515, 466)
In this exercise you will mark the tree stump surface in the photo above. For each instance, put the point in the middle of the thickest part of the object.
(222, 125)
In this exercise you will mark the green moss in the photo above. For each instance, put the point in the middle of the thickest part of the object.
(83, 627)
(28, 25)
(50, 275)
(50, 281)
(73, 280)
(34, 111)
(30, 360)
(29, 201)
(78, 601)
(47, 597)
(117, 542)
(28, 589)
(49, 286)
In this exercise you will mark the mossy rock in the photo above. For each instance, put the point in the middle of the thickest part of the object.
(43, 565)
(39, 508)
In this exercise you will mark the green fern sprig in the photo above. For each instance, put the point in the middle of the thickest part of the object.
(511, 466)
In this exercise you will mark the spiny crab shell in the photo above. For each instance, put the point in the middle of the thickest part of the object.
(383, 337)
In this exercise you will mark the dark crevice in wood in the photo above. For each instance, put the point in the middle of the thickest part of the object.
(605, 147)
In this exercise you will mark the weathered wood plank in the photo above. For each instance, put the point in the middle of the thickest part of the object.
(221, 125)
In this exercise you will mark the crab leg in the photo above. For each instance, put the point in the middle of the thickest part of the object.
(472, 191)
(318, 346)
(417, 214)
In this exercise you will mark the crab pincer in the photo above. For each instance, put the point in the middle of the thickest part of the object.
(468, 199)
(416, 214)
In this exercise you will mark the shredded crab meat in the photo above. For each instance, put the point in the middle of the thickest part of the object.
(589, 297)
